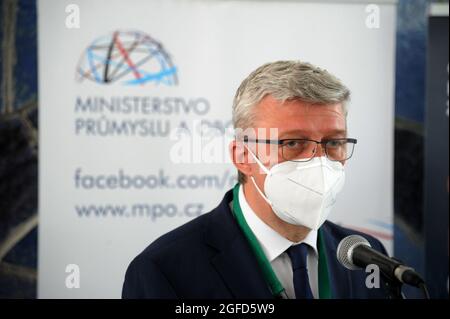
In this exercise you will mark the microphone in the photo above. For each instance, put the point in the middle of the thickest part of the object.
(355, 252)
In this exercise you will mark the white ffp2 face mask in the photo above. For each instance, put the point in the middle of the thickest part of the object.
(302, 193)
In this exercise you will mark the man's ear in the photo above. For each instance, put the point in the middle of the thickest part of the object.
(239, 157)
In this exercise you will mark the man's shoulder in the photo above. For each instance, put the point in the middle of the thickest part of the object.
(338, 232)
(179, 239)
(187, 242)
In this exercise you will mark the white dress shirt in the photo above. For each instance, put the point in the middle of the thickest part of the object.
(274, 247)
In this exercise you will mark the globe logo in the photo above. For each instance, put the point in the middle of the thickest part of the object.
(126, 57)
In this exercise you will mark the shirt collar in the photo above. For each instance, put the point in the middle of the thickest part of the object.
(272, 243)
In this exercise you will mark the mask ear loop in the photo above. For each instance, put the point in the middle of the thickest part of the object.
(265, 171)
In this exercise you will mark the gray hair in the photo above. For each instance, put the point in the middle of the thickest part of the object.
(286, 80)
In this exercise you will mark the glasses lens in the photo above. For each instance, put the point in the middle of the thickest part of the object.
(298, 150)
(339, 150)
(304, 150)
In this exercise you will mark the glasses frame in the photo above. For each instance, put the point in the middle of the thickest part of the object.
(322, 143)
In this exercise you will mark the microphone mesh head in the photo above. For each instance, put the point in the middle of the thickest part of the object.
(345, 250)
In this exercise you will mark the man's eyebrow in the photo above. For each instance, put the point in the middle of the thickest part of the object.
(336, 132)
(304, 134)
(295, 133)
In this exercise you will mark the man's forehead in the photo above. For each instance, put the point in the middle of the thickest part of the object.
(297, 117)
(269, 107)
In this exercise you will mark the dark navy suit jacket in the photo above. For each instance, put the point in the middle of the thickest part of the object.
(209, 257)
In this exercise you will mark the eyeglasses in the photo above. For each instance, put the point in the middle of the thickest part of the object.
(303, 150)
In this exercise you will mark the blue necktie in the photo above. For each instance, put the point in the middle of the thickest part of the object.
(298, 255)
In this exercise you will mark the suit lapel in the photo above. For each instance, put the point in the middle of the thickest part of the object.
(339, 276)
(240, 272)
(234, 259)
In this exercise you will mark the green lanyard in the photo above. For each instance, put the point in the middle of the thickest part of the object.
(275, 285)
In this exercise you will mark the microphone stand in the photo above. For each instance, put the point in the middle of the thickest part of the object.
(394, 288)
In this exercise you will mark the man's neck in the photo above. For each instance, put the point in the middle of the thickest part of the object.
(263, 210)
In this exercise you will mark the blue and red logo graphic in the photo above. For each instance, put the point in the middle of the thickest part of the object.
(127, 57)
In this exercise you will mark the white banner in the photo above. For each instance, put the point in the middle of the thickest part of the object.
(116, 80)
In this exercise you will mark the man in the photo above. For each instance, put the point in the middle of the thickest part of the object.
(269, 236)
